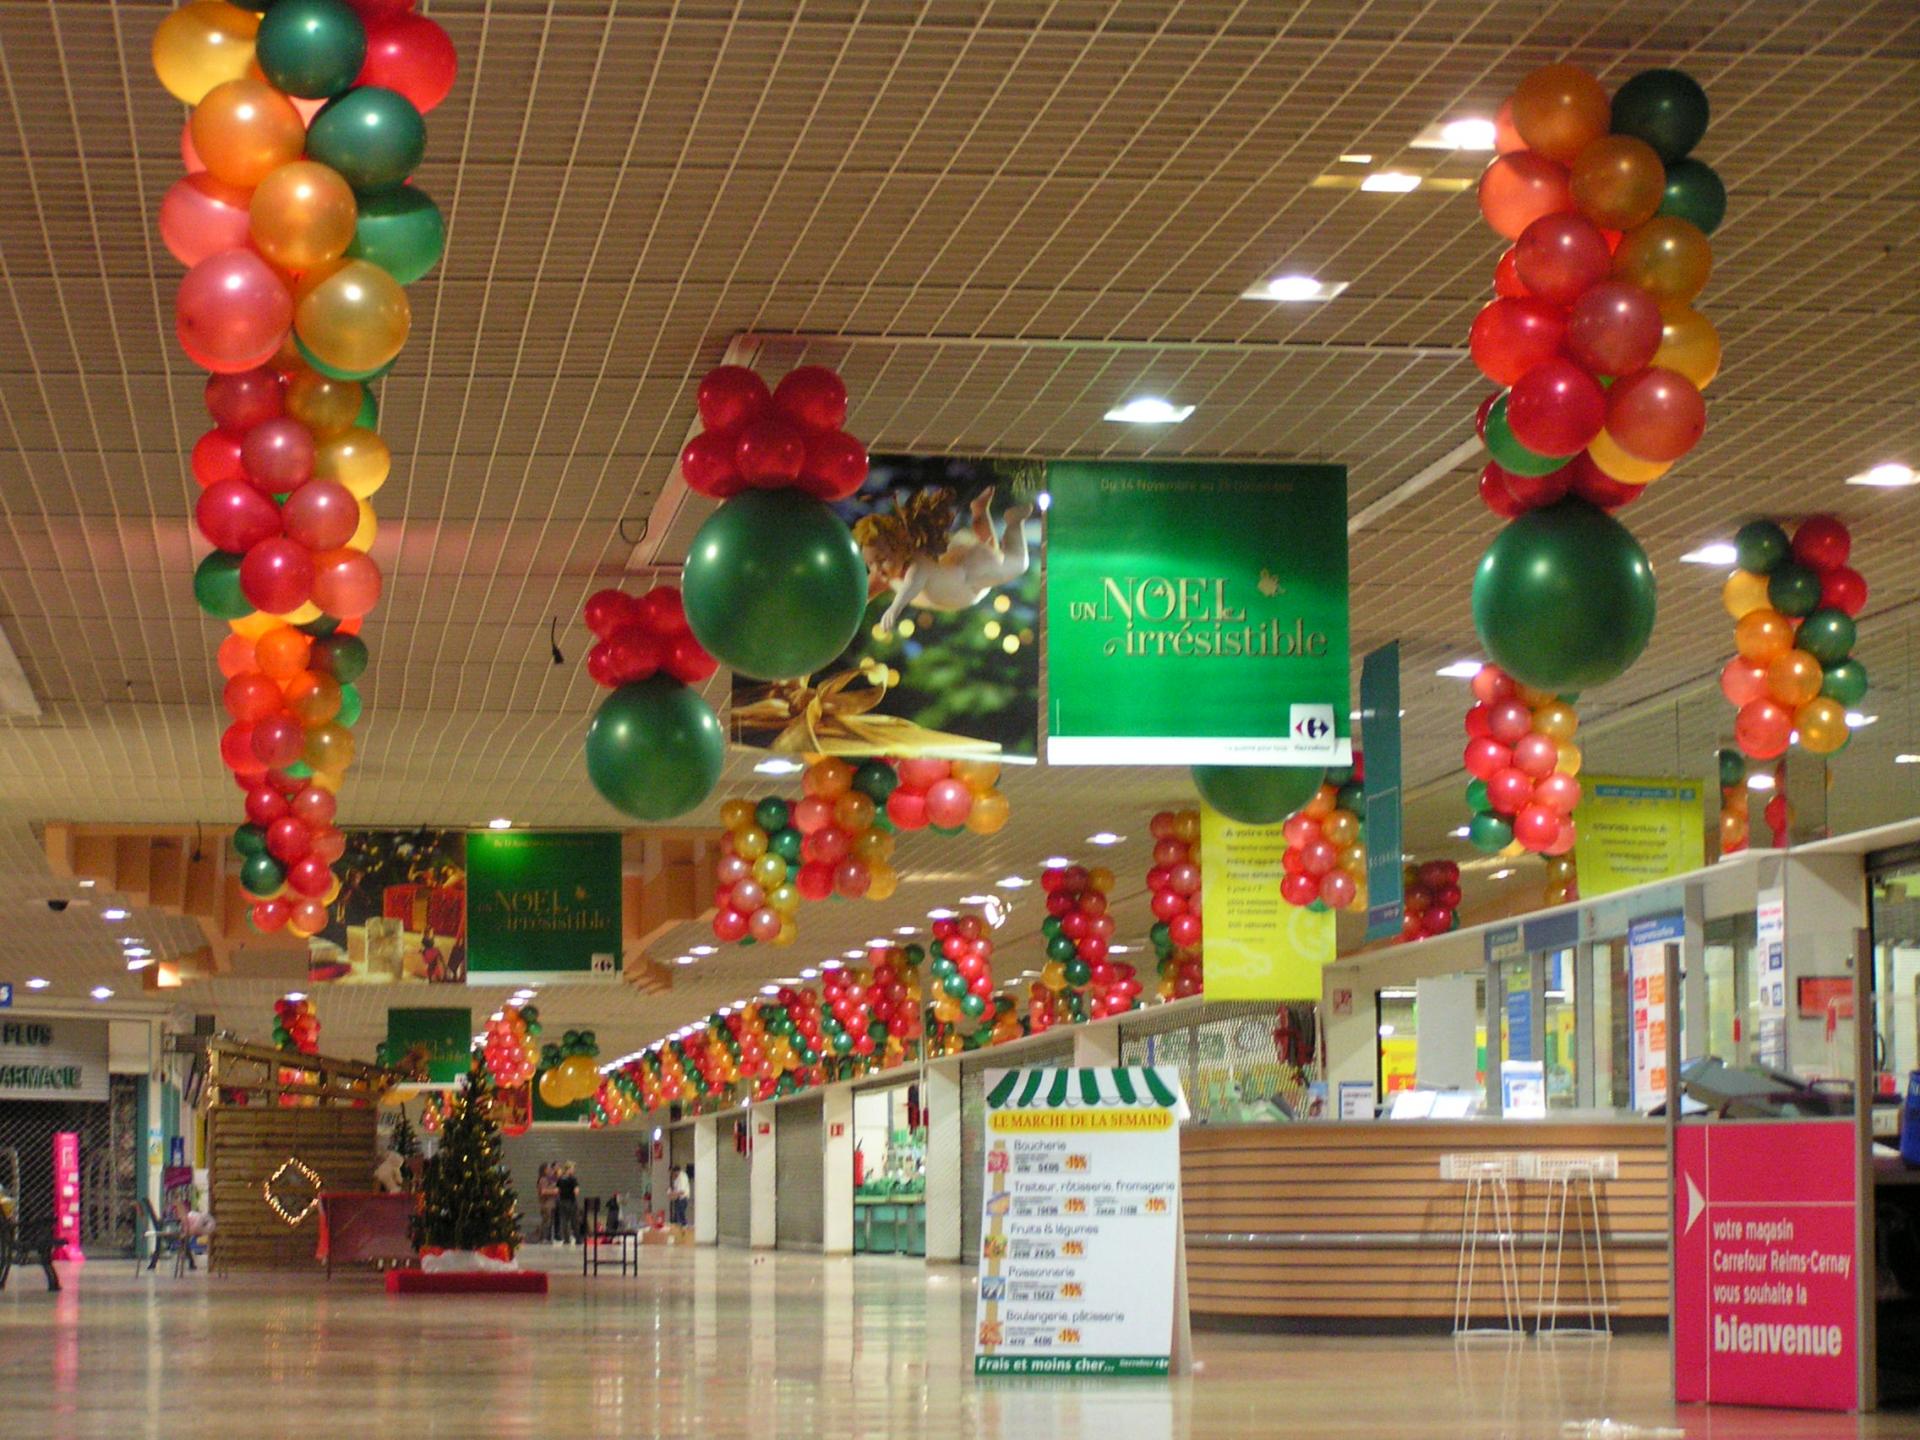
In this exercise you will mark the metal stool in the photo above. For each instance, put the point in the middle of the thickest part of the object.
(1569, 1182)
(1488, 1197)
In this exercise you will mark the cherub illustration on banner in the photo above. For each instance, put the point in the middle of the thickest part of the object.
(914, 551)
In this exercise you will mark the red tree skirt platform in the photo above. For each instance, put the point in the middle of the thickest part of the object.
(467, 1282)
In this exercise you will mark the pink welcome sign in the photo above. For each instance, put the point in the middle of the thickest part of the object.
(1766, 1264)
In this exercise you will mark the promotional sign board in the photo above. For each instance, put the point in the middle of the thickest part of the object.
(541, 904)
(1766, 1264)
(1647, 942)
(1197, 614)
(1380, 738)
(1259, 947)
(443, 1032)
(401, 914)
(1637, 829)
(1080, 1241)
(53, 1059)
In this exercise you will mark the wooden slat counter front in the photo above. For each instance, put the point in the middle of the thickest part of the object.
(1352, 1221)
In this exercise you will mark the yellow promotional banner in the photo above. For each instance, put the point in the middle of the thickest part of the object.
(1634, 829)
(1258, 947)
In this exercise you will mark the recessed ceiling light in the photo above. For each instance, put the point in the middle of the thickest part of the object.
(1013, 882)
(906, 929)
(810, 973)
(1891, 475)
(1859, 721)
(1501, 874)
(1898, 760)
(1760, 782)
(499, 822)
(1459, 832)
(1119, 949)
(1149, 410)
(1390, 182)
(853, 954)
(101, 992)
(702, 950)
(134, 952)
(88, 884)
(940, 913)
(1459, 670)
(1463, 132)
(115, 913)
(683, 959)
(1715, 552)
(1104, 837)
(1056, 862)
(778, 765)
(1356, 157)
(1294, 290)
(832, 965)
(769, 989)
(40, 982)
(1044, 500)
(296, 996)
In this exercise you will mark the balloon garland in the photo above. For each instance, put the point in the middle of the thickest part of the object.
(1793, 602)
(1523, 761)
(1734, 803)
(298, 231)
(655, 749)
(511, 1046)
(775, 585)
(1175, 890)
(296, 1025)
(964, 1010)
(1085, 982)
(1326, 854)
(567, 1071)
(1601, 358)
(1432, 891)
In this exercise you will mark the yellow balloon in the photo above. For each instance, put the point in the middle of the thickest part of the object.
(736, 814)
(1688, 344)
(1100, 880)
(1570, 758)
(789, 932)
(750, 842)
(977, 775)
(328, 780)
(333, 892)
(367, 531)
(1744, 593)
(1557, 720)
(326, 406)
(244, 130)
(200, 46)
(1353, 860)
(783, 899)
(1516, 848)
(255, 625)
(990, 812)
(358, 459)
(770, 870)
(329, 747)
(1341, 828)
(871, 846)
(882, 879)
(1186, 826)
(1822, 724)
(303, 614)
(302, 215)
(1627, 468)
(355, 319)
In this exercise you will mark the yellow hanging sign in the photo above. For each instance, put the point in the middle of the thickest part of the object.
(1258, 947)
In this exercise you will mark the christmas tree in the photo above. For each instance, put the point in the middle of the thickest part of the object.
(467, 1201)
(401, 1139)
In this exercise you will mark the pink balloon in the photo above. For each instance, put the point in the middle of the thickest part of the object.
(1558, 792)
(201, 216)
(277, 576)
(278, 455)
(1508, 721)
(1337, 888)
(1536, 755)
(321, 515)
(764, 923)
(232, 312)
(949, 802)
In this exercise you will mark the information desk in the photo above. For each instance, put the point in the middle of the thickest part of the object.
(1352, 1222)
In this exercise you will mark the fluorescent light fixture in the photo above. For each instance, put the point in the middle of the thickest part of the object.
(38, 982)
(853, 954)
(1356, 157)
(879, 944)
(976, 900)
(1463, 132)
(1013, 882)
(1149, 410)
(101, 992)
(1055, 862)
(683, 959)
(135, 952)
(1889, 475)
(939, 913)
(88, 884)
(1714, 552)
(810, 973)
(1119, 949)
(139, 964)
(1858, 721)
(296, 996)
(906, 929)
(778, 765)
(1104, 837)
(115, 913)
(702, 950)
(1390, 182)
(499, 822)
(1898, 760)
(1386, 1032)
(1760, 782)
(1459, 670)
(788, 980)
(1294, 290)
(1501, 874)
(832, 965)
(769, 989)
(1460, 832)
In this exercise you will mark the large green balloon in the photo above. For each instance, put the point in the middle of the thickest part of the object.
(654, 750)
(311, 48)
(1509, 453)
(216, 585)
(1759, 546)
(1845, 681)
(1733, 768)
(1694, 192)
(774, 585)
(1564, 597)
(401, 231)
(1827, 635)
(373, 136)
(1257, 794)
(250, 840)
(1665, 108)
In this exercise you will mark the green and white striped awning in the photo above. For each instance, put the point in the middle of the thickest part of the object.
(1076, 1088)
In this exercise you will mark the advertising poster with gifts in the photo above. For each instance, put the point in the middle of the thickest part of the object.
(1080, 1238)
(401, 914)
(947, 661)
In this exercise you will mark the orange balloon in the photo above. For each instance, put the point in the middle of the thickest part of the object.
(1325, 800)
(236, 657)
(302, 215)
(1743, 593)
(1762, 636)
(1667, 257)
(1517, 189)
(1822, 725)
(989, 813)
(244, 130)
(1618, 182)
(1689, 344)
(1506, 139)
(315, 699)
(325, 406)
(1793, 678)
(1624, 466)
(282, 652)
(1559, 110)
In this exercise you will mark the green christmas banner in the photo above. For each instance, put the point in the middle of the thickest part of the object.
(443, 1032)
(542, 904)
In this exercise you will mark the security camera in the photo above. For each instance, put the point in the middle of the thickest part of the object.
(57, 906)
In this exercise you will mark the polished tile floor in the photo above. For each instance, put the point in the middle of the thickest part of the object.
(721, 1344)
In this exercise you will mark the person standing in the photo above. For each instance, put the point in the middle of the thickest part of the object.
(679, 1196)
(567, 1211)
(548, 1191)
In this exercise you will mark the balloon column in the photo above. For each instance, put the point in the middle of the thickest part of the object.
(1326, 854)
(567, 1072)
(950, 796)
(894, 998)
(1523, 761)
(511, 1046)
(964, 1009)
(1432, 893)
(1599, 353)
(1173, 883)
(655, 748)
(1733, 802)
(1793, 602)
(295, 1025)
(1083, 980)
(774, 582)
(299, 231)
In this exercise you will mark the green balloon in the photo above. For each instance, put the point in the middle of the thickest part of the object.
(369, 416)
(1050, 926)
(1078, 972)
(250, 840)
(1827, 635)
(1489, 832)
(1061, 948)
(876, 780)
(1694, 192)
(1507, 450)
(262, 874)
(1733, 767)
(298, 770)
(955, 985)
(1564, 597)
(1478, 800)
(1257, 794)
(877, 1029)
(344, 657)
(1665, 108)
(786, 843)
(771, 814)
(351, 706)
(216, 586)
(972, 1006)
(774, 585)
(1759, 546)
(321, 627)
(401, 231)
(311, 48)
(1793, 589)
(1353, 796)
(654, 750)
(373, 136)
(1161, 934)
(914, 954)
(1845, 681)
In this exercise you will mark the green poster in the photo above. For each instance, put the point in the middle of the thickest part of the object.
(1196, 614)
(542, 903)
(444, 1033)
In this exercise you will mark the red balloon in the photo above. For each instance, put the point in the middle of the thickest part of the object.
(271, 915)
(278, 740)
(1497, 496)
(321, 515)
(288, 840)
(1518, 188)
(600, 666)
(661, 611)
(729, 926)
(1533, 491)
(1822, 542)
(216, 457)
(1596, 487)
(1480, 414)
(411, 54)
(770, 452)
(264, 804)
(1506, 278)
(1508, 721)
(249, 697)
(1184, 930)
(232, 312)
(1509, 791)
(1485, 758)
(246, 398)
(1298, 888)
(236, 750)
(345, 583)
(1743, 681)
(1536, 826)
(1614, 329)
(1436, 920)
(235, 517)
(1563, 839)
(607, 610)
(1491, 685)
(1656, 415)
(707, 464)
(315, 806)
(1843, 588)
(812, 397)
(949, 802)
(634, 653)
(1536, 755)
(1337, 888)
(851, 878)
(1556, 408)
(836, 465)
(1559, 257)
(277, 575)
(687, 660)
(1559, 792)
(1763, 729)
(908, 808)
(1318, 857)
(1510, 337)
(278, 454)
(310, 876)
(731, 394)
(1479, 720)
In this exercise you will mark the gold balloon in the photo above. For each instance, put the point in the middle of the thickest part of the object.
(357, 318)
(305, 613)
(1617, 182)
(1689, 344)
(1667, 257)
(1822, 725)
(1186, 826)
(735, 814)
(1622, 465)
(989, 813)
(1341, 828)
(1744, 593)
(1570, 758)
(1353, 860)
(1761, 635)
(853, 811)
(977, 774)
(1733, 830)
(366, 531)
(872, 845)
(750, 842)
(1560, 869)
(244, 130)
(325, 406)
(1559, 110)
(200, 46)
(329, 747)
(1557, 720)
(770, 870)
(1794, 678)
(783, 899)
(314, 699)
(789, 932)
(360, 460)
(882, 879)
(302, 215)
(255, 625)
(1100, 880)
